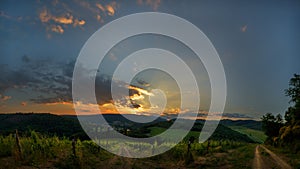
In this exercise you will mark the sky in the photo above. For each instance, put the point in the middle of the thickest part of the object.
(257, 42)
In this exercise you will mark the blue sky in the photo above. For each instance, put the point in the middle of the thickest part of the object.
(258, 44)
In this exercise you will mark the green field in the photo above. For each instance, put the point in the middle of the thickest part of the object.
(255, 135)
(38, 151)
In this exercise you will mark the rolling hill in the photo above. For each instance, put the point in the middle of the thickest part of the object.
(69, 126)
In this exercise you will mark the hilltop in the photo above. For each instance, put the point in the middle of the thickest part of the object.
(69, 126)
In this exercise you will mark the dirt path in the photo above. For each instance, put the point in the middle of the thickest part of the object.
(257, 163)
(278, 160)
(262, 162)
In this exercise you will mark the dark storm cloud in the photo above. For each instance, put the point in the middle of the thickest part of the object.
(43, 76)
(15, 78)
(52, 81)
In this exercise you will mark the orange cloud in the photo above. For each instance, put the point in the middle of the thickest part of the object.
(98, 5)
(24, 103)
(51, 21)
(4, 98)
(110, 9)
(137, 97)
(78, 22)
(57, 29)
(63, 19)
(140, 90)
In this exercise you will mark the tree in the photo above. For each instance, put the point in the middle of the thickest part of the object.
(286, 134)
(271, 124)
(292, 115)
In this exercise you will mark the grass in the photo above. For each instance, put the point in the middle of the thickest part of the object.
(291, 158)
(255, 135)
(157, 130)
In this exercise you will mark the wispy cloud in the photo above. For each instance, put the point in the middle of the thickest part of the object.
(108, 9)
(57, 29)
(4, 98)
(44, 16)
(78, 22)
(244, 28)
(101, 7)
(23, 103)
(154, 4)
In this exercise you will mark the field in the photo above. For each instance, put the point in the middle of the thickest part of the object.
(38, 151)
(255, 135)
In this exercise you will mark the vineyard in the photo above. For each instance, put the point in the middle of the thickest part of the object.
(41, 151)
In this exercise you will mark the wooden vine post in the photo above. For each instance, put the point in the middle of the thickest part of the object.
(74, 147)
(18, 144)
(208, 144)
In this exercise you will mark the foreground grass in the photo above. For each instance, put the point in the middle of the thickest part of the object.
(52, 152)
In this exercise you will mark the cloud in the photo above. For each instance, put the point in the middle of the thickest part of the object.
(23, 103)
(78, 22)
(63, 19)
(102, 8)
(45, 16)
(235, 116)
(4, 98)
(154, 4)
(15, 78)
(140, 90)
(244, 28)
(57, 29)
(99, 18)
(54, 23)
(108, 9)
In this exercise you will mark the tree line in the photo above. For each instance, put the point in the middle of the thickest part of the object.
(285, 132)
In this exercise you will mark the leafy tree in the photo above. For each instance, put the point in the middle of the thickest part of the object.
(271, 124)
(292, 115)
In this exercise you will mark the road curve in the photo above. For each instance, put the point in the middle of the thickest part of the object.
(277, 159)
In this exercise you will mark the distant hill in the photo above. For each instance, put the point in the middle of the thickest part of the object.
(221, 133)
(251, 124)
(68, 125)
(41, 122)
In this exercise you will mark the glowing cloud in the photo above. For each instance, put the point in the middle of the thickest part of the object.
(78, 22)
(140, 90)
(52, 21)
(57, 29)
(63, 19)
(111, 10)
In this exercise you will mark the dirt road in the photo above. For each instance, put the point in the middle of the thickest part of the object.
(265, 159)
